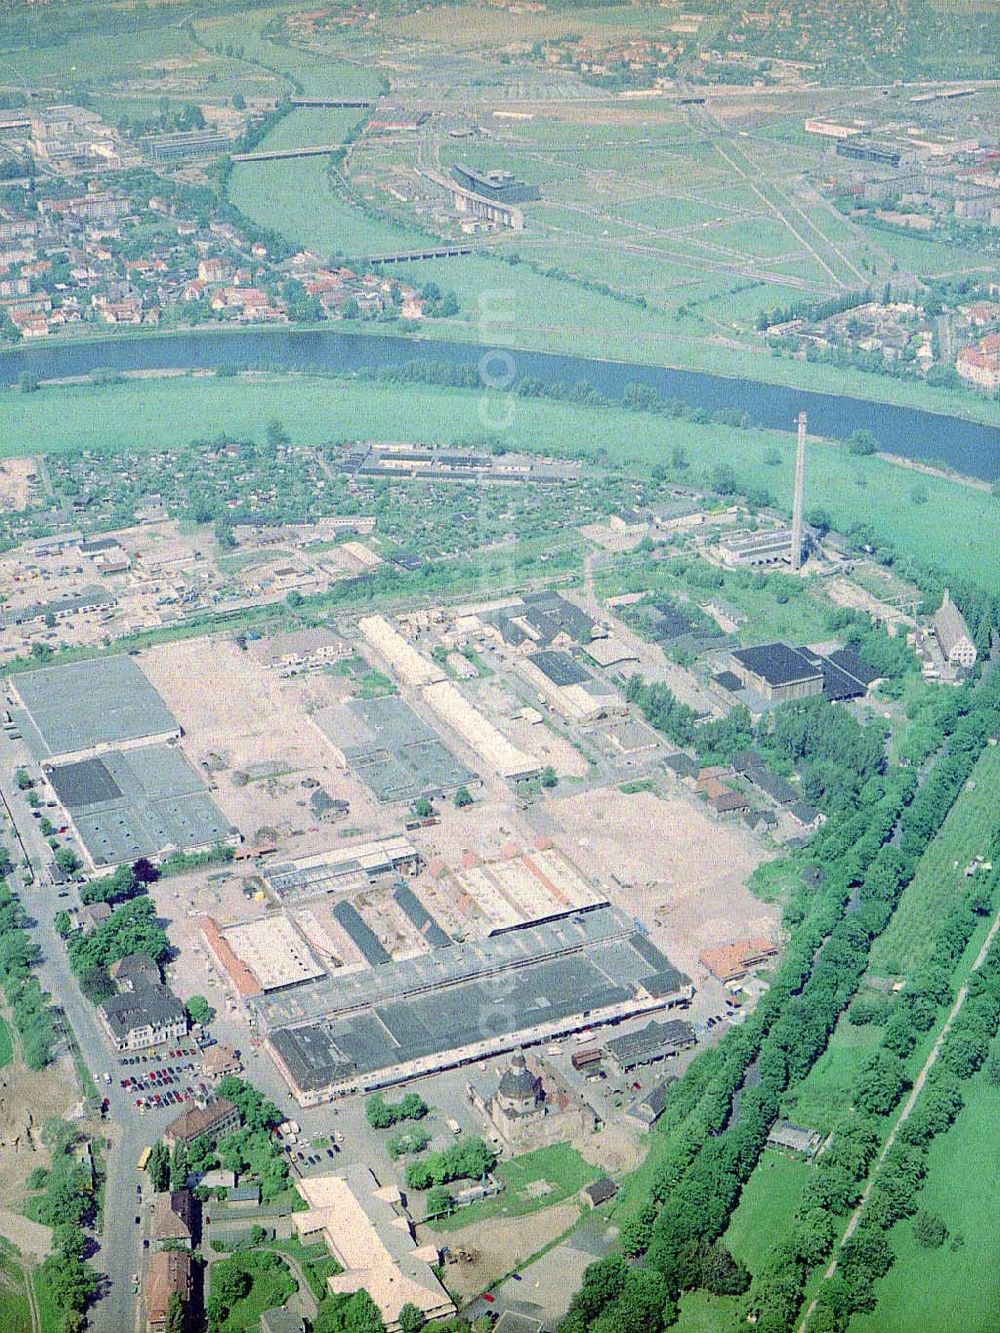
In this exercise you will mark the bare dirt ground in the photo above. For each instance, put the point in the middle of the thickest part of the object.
(15, 482)
(27, 1100)
(243, 722)
(842, 592)
(614, 539)
(668, 862)
(615, 1149)
(501, 1243)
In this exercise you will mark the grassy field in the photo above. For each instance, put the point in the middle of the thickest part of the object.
(766, 1206)
(315, 1260)
(14, 1305)
(296, 198)
(823, 1093)
(271, 1288)
(909, 939)
(561, 1166)
(959, 529)
(49, 1314)
(950, 1290)
(6, 1042)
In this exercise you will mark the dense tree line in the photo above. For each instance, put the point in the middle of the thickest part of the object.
(27, 1002)
(67, 1204)
(714, 1139)
(893, 1197)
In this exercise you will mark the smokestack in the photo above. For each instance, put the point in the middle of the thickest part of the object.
(800, 476)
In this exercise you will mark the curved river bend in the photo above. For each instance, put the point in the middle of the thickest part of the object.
(969, 447)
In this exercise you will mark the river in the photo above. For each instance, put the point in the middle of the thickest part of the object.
(968, 447)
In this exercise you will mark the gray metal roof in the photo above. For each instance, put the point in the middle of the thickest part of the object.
(140, 802)
(475, 991)
(86, 704)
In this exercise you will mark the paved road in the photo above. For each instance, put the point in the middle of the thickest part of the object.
(120, 1254)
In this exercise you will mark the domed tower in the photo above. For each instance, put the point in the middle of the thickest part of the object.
(519, 1092)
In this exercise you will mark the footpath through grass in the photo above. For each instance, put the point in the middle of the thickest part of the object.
(956, 1288)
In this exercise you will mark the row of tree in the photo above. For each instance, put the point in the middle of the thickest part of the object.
(714, 1138)
(27, 1002)
(840, 1172)
(67, 1204)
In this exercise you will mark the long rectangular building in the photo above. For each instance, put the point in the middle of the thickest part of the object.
(80, 709)
(403, 1019)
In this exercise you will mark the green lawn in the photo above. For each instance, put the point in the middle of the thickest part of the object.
(315, 1260)
(823, 1093)
(560, 1165)
(295, 197)
(700, 1312)
(950, 1290)
(49, 1314)
(909, 938)
(272, 1285)
(766, 1208)
(958, 529)
(6, 1042)
(14, 1305)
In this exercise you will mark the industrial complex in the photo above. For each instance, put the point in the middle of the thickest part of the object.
(400, 1020)
(106, 744)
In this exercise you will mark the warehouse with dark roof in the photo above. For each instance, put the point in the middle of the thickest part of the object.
(777, 672)
(402, 1019)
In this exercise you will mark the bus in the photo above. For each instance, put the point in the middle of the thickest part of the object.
(144, 1157)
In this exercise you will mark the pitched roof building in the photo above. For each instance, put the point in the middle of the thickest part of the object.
(174, 1217)
(370, 1235)
(217, 1119)
(953, 634)
(169, 1271)
(137, 1019)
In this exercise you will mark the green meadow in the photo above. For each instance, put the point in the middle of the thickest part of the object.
(957, 528)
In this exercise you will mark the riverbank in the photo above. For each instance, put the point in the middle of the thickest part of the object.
(945, 523)
(677, 352)
(968, 447)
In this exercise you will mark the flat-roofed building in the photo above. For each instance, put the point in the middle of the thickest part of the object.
(753, 549)
(145, 801)
(341, 868)
(481, 735)
(368, 1231)
(83, 708)
(366, 1028)
(777, 672)
(273, 950)
(569, 688)
(411, 667)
